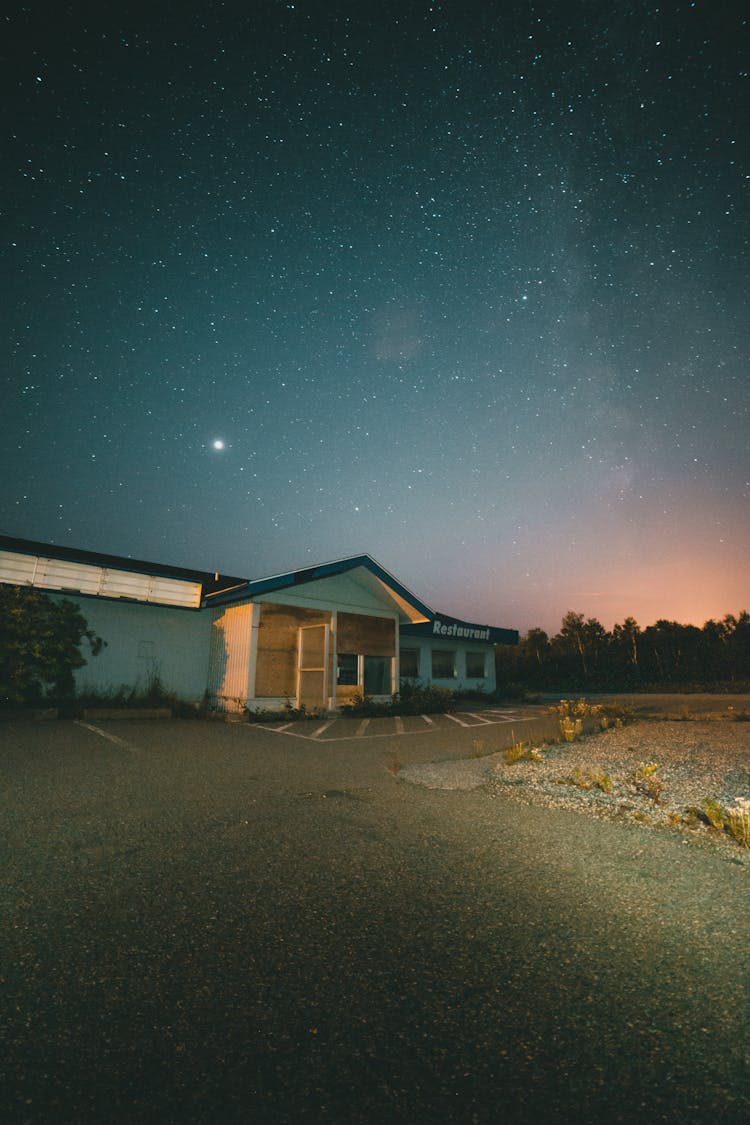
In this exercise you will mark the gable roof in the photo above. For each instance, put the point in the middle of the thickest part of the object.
(415, 609)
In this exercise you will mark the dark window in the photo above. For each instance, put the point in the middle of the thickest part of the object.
(443, 664)
(409, 663)
(475, 665)
(348, 668)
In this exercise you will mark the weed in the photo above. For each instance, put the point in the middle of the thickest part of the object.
(514, 753)
(640, 817)
(732, 819)
(393, 767)
(713, 811)
(521, 752)
(738, 821)
(570, 728)
(647, 783)
(413, 699)
(587, 780)
(289, 713)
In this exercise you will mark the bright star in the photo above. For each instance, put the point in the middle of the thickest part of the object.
(217, 444)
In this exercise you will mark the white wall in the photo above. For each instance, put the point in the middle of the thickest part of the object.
(143, 640)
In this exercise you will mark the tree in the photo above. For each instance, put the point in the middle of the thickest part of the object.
(625, 640)
(40, 644)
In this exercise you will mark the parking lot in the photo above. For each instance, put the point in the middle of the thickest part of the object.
(216, 922)
(337, 729)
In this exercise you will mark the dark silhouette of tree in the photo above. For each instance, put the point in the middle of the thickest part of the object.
(583, 655)
(40, 644)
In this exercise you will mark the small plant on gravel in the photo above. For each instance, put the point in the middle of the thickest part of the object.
(571, 729)
(647, 783)
(575, 709)
(521, 752)
(732, 819)
(588, 779)
(738, 821)
(713, 811)
(514, 753)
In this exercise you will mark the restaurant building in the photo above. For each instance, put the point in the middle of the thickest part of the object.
(315, 637)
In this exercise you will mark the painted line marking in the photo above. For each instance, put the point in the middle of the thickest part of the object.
(434, 729)
(428, 720)
(286, 726)
(477, 717)
(362, 728)
(106, 734)
(460, 722)
(399, 724)
(317, 733)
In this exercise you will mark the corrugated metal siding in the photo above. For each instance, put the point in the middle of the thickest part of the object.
(230, 656)
(58, 574)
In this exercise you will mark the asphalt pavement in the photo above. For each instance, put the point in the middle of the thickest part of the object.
(209, 922)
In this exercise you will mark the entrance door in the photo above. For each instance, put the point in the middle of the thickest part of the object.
(312, 665)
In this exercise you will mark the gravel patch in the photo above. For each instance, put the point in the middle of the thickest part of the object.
(696, 761)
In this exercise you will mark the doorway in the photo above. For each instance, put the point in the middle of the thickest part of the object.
(312, 667)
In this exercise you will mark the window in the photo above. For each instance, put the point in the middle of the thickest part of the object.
(475, 665)
(348, 669)
(370, 673)
(443, 664)
(377, 675)
(409, 663)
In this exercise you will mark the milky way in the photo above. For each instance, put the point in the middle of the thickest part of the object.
(461, 286)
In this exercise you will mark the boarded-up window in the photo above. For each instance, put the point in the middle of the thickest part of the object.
(374, 636)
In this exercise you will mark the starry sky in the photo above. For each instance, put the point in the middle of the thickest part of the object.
(460, 285)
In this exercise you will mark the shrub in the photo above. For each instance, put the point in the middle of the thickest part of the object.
(413, 699)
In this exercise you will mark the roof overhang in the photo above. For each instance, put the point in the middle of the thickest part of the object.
(362, 567)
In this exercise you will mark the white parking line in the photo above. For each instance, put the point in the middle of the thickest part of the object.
(106, 734)
(317, 733)
(398, 728)
(460, 722)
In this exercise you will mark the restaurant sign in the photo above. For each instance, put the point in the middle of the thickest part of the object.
(452, 629)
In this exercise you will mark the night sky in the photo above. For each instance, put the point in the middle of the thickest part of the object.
(463, 286)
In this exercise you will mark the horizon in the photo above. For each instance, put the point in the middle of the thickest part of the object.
(464, 286)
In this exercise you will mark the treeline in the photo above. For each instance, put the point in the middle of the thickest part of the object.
(584, 655)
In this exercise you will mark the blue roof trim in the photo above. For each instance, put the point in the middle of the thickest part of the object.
(252, 589)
